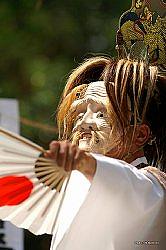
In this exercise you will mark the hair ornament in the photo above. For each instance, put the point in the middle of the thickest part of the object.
(141, 35)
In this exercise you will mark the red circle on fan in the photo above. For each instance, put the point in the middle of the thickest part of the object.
(14, 190)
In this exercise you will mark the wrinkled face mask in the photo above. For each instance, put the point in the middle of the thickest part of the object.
(92, 128)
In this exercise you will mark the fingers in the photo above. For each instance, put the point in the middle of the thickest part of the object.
(53, 150)
(70, 157)
(63, 153)
(78, 156)
(86, 164)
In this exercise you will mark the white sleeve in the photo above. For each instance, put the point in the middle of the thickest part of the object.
(116, 177)
(122, 206)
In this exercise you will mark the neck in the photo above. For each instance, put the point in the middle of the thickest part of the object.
(130, 157)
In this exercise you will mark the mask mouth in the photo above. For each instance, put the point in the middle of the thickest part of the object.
(86, 135)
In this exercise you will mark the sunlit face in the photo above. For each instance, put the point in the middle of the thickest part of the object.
(92, 126)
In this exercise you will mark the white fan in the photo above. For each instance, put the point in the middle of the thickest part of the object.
(32, 187)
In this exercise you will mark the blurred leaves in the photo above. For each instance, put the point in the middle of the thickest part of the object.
(41, 41)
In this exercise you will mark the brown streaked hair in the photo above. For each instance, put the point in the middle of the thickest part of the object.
(89, 71)
(65, 117)
(136, 97)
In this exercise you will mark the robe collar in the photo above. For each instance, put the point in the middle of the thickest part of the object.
(140, 162)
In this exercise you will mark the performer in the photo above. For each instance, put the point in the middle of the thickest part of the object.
(113, 115)
(125, 204)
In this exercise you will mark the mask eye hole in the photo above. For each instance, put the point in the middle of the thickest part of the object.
(100, 115)
(78, 95)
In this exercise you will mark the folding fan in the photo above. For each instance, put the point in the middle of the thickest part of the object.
(32, 187)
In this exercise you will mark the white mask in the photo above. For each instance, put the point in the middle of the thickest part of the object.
(92, 121)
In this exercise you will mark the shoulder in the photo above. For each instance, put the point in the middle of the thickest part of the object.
(157, 173)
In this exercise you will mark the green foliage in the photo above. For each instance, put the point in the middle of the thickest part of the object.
(41, 42)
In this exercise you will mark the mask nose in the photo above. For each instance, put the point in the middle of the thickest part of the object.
(88, 122)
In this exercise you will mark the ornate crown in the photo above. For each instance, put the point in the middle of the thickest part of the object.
(142, 33)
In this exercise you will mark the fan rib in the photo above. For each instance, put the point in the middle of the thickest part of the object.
(45, 159)
(43, 173)
(39, 199)
(21, 153)
(50, 203)
(45, 163)
(47, 177)
(50, 180)
(43, 168)
(58, 185)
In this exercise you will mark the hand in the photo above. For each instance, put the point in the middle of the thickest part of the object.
(70, 157)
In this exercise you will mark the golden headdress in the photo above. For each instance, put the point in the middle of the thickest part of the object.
(144, 22)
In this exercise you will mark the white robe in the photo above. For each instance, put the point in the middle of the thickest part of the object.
(123, 209)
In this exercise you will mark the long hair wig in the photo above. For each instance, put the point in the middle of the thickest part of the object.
(137, 96)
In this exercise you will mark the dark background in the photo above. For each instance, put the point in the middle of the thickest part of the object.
(41, 41)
